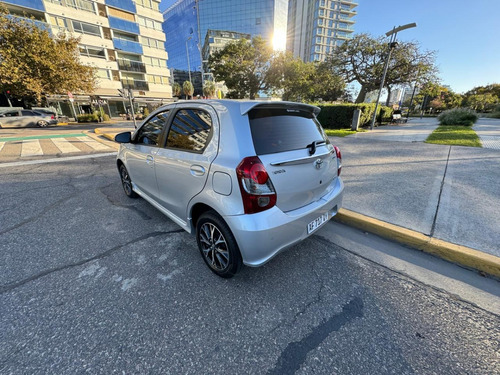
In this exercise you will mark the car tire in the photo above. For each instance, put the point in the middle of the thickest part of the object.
(217, 245)
(42, 124)
(127, 183)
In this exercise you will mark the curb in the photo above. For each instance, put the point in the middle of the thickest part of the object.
(106, 133)
(458, 254)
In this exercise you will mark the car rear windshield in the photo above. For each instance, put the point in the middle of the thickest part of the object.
(281, 129)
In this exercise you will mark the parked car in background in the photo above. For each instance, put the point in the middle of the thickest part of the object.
(22, 118)
(248, 178)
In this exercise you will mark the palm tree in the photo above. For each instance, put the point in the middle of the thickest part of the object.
(176, 90)
(209, 89)
(188, 89)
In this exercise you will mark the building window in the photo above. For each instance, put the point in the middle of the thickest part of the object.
(85, 5)
(86, 28)
(258, 21)
(152, 61)
(103, 74)
(92, 52)
(148, 4)
(157, 80)
(149, 23)
(152, 43)
(58, 22)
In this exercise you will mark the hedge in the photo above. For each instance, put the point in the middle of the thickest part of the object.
(339, 116)
(88, 117)
(458, 116)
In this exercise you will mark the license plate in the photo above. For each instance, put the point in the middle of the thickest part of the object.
(316, 223)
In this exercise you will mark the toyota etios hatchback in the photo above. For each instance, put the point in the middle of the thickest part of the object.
(248, 178)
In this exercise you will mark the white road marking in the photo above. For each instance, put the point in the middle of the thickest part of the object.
(64, 145)
(31, 147)
(93, 143)
(56, 160)
(1, 145)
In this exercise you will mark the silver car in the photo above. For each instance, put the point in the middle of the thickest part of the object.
(248, 178)
(27, 118)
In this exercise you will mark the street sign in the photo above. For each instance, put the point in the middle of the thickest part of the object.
(70, 96)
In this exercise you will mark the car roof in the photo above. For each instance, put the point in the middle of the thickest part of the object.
(245, 106)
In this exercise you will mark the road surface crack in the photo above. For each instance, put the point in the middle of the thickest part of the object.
(8, 287)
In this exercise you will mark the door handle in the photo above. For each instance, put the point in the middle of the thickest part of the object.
(150, 159)
(197, 170)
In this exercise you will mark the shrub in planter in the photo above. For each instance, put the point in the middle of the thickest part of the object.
(458, 116)
(88, 117)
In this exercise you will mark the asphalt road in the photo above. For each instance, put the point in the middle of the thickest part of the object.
(94, 282)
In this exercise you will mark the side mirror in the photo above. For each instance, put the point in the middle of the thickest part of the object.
(123, 137)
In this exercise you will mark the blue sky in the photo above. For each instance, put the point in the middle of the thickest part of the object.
(465, 34)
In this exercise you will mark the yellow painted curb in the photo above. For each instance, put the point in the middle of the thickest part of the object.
(461, 255)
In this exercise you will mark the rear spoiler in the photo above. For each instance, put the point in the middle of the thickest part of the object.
(248, 106)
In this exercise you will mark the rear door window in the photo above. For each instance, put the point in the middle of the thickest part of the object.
(280, 129)
(190, 130)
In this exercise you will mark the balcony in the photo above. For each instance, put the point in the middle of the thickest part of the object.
(135, 84)
(127, 45)
(127, 5)
(131, 66)
(123, 25)
(30, 4)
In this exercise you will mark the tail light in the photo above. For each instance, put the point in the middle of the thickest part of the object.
(339, 160)
(256, 187)
(52, 117)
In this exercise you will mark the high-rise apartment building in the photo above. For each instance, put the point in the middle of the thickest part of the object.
(186, 24)
(122, 38)
(316, 27)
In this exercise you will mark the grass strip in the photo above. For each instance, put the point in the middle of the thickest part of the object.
(454, 135)
(341, 132)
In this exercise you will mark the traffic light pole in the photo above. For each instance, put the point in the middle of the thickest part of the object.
(131, 98)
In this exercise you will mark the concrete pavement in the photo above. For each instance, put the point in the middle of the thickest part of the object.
(444, 200)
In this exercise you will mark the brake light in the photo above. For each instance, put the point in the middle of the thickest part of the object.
(52, 117)
(256, 187)
(339, 160)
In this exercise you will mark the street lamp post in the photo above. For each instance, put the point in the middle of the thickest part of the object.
(187, 54)
(392, 44)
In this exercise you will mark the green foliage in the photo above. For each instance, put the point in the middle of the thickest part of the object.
(146, 111)
(482, 102)
(88, 117)
(243, 66)
(35, 63)
(187, 88)
(342, 132)
(454, 136)
(338, 116)
(362, 59)
(176, 90)
(209, 89)
(458, 116)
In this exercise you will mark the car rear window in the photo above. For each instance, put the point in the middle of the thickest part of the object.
(279, 130)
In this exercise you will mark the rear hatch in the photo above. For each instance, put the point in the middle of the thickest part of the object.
(295, 151)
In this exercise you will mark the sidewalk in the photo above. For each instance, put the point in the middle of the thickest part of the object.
(447, 193)
(440, 199)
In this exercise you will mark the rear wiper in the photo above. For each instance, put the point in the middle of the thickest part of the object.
(312, 146)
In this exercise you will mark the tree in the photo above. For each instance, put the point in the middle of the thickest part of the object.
(243, 66)
(176, 90)
(482, 102)
(209, 89)
(362, 60)
(300, 81)
(188, 89)
(35, 64)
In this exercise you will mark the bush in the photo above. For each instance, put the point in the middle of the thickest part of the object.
(88, 117)
(339, 116)
(105, 117)
(458, 116)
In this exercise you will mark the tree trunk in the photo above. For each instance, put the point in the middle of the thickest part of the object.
(362, 94)
(388, 96)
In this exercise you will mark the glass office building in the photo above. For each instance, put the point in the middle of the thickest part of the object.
(186, 23)
(316, 27)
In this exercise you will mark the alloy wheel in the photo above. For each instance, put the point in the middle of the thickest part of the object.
(214, 246)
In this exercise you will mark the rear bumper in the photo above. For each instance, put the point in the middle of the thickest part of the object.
(261, 236)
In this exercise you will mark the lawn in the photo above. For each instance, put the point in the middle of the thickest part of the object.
(454, 136)
(341, 132)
